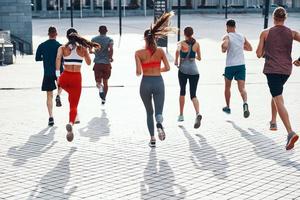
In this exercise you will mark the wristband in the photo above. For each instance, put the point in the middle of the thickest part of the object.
(57, 73)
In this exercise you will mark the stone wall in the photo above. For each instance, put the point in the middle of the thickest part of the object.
(16, 16)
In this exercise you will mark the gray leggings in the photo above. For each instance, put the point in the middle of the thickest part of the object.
(153, 86)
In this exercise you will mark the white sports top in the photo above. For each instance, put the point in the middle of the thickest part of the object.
(73, 58)
(235, 52)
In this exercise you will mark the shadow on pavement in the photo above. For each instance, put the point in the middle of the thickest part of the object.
(266, 148)
(36, 145)
(96, 128)
(205, 157)
(159, 180)
(54, 182)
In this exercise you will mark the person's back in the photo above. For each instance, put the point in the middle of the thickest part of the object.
(278, 48)
(47, 52)
(102, 55)
(235, 52)
(151, 61)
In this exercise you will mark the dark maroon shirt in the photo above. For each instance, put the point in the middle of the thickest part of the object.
(278, 49)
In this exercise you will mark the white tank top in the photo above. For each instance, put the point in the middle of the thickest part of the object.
(235, 51)
(73, 58)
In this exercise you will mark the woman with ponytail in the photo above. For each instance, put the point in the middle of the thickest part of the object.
(70, 80)
(188, 51)
(148, 63)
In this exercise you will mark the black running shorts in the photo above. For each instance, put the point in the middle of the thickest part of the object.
(276, 83)
(49, 83)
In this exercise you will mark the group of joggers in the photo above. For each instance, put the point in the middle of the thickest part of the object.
(62, 64)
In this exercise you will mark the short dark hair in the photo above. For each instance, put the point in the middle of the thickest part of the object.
(52, 30)
(102, 29)
(230, 23)
(188, 31)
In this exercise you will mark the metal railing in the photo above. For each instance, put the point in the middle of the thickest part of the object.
(21, 45)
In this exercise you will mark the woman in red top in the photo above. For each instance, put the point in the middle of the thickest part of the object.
(148, 63)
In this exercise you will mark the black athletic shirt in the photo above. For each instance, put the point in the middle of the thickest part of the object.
(46, 52)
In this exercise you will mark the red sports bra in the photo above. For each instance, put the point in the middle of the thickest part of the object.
(153, 64)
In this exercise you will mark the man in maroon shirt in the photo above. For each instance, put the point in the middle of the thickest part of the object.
(275, 46)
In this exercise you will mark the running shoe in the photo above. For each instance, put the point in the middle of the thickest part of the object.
(103, 101)
(70, 135)
(291, 140)
(51, 121)
(152, 143)
(227, 110)
(161, 132)
(246, 110)
(273, 126)
(58, 102)
(180, 118)
(198, 121)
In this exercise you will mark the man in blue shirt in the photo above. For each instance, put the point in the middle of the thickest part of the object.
(46, 52)
(103, 58)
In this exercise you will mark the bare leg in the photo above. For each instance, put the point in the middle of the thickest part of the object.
(181, 104)
(105, 83)
(278, 100)
(241, 86)
(274, 111)
(59, 90)
(227, 91)
(50, 103)
(196, 104)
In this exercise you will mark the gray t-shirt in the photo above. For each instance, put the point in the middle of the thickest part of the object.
(102, 56)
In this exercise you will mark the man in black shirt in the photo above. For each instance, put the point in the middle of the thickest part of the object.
(46, 52)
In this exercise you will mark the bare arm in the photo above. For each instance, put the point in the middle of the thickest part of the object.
(138, 64)
(59, 56)
(87, 57)
(177, 54)
(296, 36)
(198, 57)
(247, 45)
(165, 61)
(261, 45)
(110, 52)
(176, 58)
(225, 44)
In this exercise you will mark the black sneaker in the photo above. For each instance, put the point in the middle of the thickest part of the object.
(103, 101)
(152, 143)
(51, 121)
(226, 110)
(246, 110)
(58, 102)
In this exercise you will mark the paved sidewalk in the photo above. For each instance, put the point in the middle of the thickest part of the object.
(228, 157)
